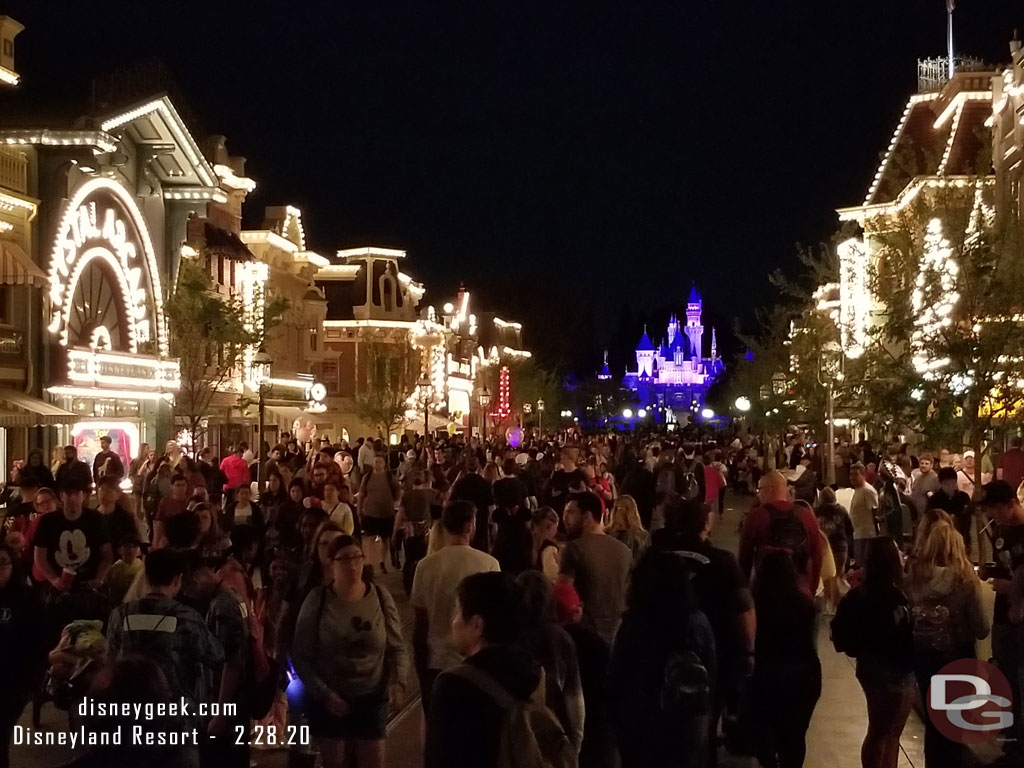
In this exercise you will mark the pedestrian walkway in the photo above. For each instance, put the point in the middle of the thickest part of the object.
(833, 741)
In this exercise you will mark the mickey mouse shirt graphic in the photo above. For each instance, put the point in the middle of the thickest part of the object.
(73, 544)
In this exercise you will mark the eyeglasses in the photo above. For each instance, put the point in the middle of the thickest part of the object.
(350, 558)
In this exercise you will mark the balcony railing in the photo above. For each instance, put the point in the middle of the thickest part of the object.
(13, 169)
(933, 74)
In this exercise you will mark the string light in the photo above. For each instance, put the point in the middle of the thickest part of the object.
(854, 298)
(933, 304)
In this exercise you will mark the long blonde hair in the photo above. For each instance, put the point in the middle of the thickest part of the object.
(625, 515)
(942, 547)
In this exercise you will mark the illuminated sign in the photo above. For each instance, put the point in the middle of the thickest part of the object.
(102, 224)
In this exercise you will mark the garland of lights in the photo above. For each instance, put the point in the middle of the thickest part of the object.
(934, 297)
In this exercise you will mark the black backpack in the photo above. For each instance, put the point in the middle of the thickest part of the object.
(690, 487)
(787, 532)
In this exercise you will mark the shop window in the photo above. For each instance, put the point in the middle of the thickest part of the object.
(220, 269)
(314, 341)
(6, 316)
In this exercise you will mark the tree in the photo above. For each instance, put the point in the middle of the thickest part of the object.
(529, 382)
(392, 373)
(949, 331)
(209, 335)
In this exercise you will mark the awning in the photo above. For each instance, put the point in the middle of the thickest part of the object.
(225, 243)
(16, 268)
(20, 410)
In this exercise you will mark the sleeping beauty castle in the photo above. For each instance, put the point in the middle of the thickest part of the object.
(675, 375)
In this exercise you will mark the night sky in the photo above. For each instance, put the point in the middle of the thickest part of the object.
(576, 165)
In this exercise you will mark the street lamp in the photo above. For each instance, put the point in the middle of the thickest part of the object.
(484, 398)
(261, 366)
(425, 388)
(779, 383)
(742, 404)
(540, 415)
(707, 414)
(627, 413)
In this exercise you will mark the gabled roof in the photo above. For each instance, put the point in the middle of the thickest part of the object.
(939, 134)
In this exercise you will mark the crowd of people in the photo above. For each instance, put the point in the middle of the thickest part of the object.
(568, 604)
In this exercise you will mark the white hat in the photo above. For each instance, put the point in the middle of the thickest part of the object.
(521, 459)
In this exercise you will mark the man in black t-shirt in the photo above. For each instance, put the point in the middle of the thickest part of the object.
(564, 481)
(71, 545)
(999, 501)
(954, 502)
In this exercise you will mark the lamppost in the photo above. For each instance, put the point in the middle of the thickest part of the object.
(830, 364)
(484, 398)
(261, 365)
(428, 396)
(540, 416)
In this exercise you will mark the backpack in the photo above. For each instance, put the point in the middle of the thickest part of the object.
(787, 532)
(934, 627)
(531, 736)
(690, 489)
(686, 687)
(666, 482)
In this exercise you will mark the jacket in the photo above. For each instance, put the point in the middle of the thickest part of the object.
(965, 601)
(464, 724)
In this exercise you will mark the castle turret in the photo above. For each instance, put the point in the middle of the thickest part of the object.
(694, 328)
(606, 372)
(714, 344)
(645, 356)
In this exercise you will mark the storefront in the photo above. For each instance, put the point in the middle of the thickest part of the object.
(110, 361)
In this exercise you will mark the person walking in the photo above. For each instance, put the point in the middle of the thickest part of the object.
(874, 625)
(947, 601)
(596, 564)
(625, 526)
(786, 659)
(663, 665)
(349, 688)
(379, 495)
(434, 586)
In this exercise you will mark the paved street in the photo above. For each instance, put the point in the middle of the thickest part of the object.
(833, 741)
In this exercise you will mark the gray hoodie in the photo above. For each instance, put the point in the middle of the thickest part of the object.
(965, 601)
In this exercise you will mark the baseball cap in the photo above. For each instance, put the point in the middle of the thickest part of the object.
(997, 492)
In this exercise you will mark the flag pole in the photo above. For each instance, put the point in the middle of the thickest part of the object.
(950, 5)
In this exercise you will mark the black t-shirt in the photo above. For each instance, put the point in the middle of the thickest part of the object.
(721, 588)
(118, 524)
(560, 484)
(22, 638)
(1008, 544)
(955, 505)
(475, 488)
(73, 544)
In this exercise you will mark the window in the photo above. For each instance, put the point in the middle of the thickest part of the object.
(329, 375)
(5, 305)
(220, 269)
(8, 47)
(313, 340)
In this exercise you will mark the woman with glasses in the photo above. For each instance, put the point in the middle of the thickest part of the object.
(348, 689)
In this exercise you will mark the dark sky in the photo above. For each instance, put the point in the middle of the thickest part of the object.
(577, 165)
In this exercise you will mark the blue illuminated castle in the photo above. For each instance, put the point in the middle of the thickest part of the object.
(676, 374)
